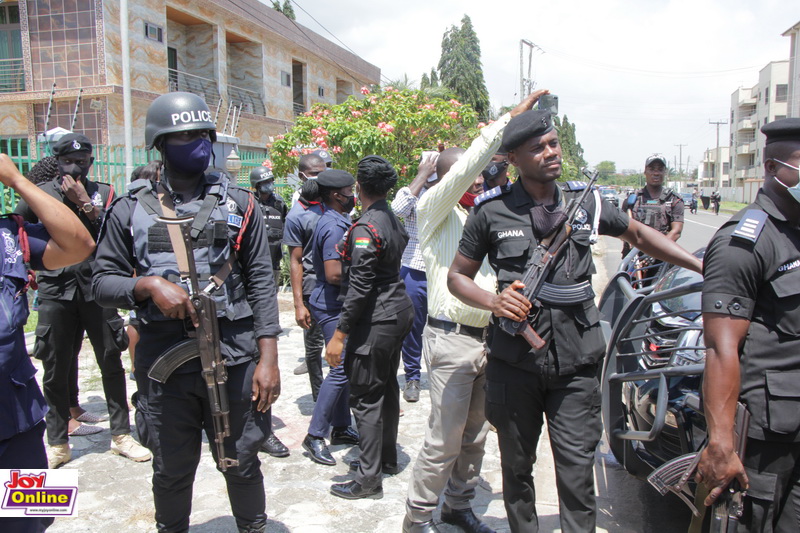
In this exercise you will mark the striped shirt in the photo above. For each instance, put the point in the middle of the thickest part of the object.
(404, 206)
(441, 220)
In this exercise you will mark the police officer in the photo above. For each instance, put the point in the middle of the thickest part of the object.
(655, 205)
(376, 316)
(59, 240)
(559, 381)
(751, 295)
(172, 415)
(332, 407)
(274, 210)
(297, 235)
(67, 309)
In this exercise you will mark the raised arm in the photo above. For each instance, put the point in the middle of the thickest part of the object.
(70, 242)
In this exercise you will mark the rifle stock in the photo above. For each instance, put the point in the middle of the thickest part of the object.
(539, 266)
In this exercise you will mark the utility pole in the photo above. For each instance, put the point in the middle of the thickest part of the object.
(718, 164)
(526, 84)
(680, 159)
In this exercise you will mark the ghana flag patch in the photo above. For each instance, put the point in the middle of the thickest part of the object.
(362, 242)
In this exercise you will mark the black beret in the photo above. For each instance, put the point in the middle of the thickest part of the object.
(72, 142)
(785, 129)
(333, 178)
(531, 123)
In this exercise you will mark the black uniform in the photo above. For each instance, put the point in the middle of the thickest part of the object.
(171, 416)
(274, 211)
(377, 315)
(66, 310)
(658, 213)
(752, 271)
(558, 381)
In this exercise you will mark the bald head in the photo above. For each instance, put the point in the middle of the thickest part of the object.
(308, 161)
(446, 160)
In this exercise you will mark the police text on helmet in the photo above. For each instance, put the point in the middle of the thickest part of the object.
(188, 117)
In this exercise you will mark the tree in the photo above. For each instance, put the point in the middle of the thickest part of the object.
(460, 67)
(286, 9)
(397, 125)
(425, 82)
(571, 149)
(607, 169)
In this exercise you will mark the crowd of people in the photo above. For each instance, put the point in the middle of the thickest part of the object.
(424, 276)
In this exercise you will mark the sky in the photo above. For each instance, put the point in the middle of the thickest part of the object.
(636, 77)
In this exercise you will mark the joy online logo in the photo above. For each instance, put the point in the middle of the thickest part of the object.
(27, 495)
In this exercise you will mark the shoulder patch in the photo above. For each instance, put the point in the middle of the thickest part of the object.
(488, 195)
(750, 226)
(573, 186)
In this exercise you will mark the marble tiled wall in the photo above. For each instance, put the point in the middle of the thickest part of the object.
(245, 66)
(14, 118)
(63, 44)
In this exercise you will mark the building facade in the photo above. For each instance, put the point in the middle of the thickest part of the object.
(715, 162)
(751, 108)
(61, 60)
(794, 70)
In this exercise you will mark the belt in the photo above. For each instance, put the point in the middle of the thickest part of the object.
(454, 327)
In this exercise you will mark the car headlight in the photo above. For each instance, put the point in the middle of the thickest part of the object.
(691, 349)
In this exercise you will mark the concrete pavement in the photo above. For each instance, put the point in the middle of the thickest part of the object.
(115, 493)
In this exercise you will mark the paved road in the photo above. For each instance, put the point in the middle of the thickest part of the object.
(115, 494)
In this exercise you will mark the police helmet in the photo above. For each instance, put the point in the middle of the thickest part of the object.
(259, 174)
(177, 111)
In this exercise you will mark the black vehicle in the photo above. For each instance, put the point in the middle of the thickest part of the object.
(689, 201)
(653, 367)
(607, 193)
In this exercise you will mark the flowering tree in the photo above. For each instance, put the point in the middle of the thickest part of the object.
(394, 124)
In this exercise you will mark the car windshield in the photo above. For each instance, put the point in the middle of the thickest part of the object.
(680, 277)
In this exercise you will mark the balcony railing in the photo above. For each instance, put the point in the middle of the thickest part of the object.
(12, 75)
(203, 87)
(249, 101)
(746, 148)
(298, 109)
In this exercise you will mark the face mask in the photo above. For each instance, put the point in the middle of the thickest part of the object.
(75, 170)
(190, 159)
(265, 188)
(795, 189)
(348, 204)
(468, 200)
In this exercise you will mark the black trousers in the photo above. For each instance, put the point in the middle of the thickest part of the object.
(170, 419)
(25, 451)
(314, 343)
(772, 503)
(61, 323)
(516, 403)
(371, 363)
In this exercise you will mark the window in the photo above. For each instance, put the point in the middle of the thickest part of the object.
(766, 96)
(153, 32)
(780, 117)
(781, 92)
(725, 168)
(321, 91)
(286, 79)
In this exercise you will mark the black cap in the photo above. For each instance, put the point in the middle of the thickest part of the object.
(785, 129)
(333, 178)
(72, 142)
(655, 157)
(324, 155)
(531, 123)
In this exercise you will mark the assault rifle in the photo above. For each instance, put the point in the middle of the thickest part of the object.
(203, 342)
(674, 475)
(541, 263)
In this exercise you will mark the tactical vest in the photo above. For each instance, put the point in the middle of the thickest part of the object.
(212, 246)
(655, 214)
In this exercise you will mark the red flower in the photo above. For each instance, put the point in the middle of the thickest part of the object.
(453, 115)
(364, 90)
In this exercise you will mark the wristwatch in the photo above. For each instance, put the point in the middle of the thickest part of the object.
(87, 208)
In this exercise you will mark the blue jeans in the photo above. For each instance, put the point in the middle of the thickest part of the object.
(332, 407)
(417, 289)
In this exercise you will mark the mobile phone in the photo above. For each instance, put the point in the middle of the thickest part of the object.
(549, 102)
(433, 155)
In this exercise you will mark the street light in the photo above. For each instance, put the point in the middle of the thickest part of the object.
(233, 163)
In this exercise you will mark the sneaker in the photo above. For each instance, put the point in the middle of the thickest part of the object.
(301, 369)
(58, 454)
(126, 446)
(411, 391)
